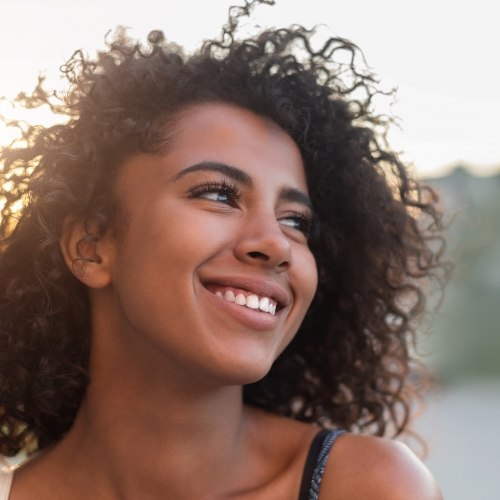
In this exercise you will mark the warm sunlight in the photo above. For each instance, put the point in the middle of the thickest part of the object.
(446, 103)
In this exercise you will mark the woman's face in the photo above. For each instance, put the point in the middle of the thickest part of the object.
(213, 274)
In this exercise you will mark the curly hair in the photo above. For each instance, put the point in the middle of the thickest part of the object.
(377, 247)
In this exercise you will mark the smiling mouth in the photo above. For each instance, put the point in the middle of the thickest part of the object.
(245, 298)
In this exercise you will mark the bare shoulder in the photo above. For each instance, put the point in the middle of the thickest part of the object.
(367, 467)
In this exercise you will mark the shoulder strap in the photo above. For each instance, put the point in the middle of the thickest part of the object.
(5, 484)
(316, 463)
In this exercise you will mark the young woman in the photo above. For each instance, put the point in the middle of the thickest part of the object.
(211, 260)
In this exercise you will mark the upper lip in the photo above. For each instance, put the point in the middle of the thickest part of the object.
(258, 286)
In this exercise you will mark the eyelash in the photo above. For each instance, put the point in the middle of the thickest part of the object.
(233, 194)
(229, 189)
(305, 222)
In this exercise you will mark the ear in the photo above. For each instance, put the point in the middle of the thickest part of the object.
(86, 253)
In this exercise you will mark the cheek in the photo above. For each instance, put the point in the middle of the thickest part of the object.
(308, 276)
(305, 282)
(174, 233)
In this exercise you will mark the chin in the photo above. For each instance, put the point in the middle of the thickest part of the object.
(243, 372)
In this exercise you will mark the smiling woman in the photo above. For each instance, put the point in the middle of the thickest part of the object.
(217, 216)
(214, 258)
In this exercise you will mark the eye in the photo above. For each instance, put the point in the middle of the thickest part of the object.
(219, 192)
(299, 222)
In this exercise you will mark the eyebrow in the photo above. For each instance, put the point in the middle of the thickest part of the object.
(286, 194)
(296, 196)
(213, 166)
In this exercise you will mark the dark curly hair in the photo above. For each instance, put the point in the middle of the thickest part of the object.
(377, 247)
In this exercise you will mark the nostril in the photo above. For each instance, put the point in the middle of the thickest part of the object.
(258, 255)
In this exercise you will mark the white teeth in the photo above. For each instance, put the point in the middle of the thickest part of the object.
(240, 299)
(253, 301)
(264, 304)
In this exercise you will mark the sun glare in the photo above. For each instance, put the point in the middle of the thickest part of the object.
(15, 120)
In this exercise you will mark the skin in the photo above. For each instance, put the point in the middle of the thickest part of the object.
(164, 410)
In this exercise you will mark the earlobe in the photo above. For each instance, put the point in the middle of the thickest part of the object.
(86, 253)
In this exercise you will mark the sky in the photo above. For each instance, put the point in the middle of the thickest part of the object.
(442, 55)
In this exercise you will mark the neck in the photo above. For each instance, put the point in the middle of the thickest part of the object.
(151, 440)
(145, 426)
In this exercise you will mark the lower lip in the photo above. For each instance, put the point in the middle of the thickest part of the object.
(251, 318)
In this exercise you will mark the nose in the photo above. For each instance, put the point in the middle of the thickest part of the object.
(262, 242)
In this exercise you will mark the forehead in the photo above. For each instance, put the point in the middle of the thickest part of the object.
(239, 137)
(219, 133)
(228, 122)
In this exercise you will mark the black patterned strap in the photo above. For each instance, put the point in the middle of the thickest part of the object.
(316, 463)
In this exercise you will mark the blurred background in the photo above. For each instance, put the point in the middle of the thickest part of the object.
(444, 58)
